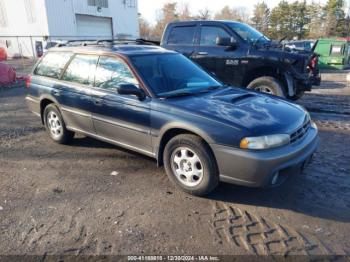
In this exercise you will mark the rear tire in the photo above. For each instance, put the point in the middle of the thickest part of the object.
(267, 84)
(190, 164)
(55, 125)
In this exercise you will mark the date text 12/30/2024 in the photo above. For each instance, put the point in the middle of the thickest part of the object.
(173, 258)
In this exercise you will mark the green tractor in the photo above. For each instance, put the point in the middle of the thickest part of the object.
(333, 53)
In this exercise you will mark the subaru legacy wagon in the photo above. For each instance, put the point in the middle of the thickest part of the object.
(160, 104)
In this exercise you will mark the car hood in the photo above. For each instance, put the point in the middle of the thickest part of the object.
(257, 113)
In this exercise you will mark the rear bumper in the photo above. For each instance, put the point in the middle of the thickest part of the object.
(258, 168)
(33, 105)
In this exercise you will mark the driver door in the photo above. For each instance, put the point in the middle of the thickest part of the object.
(219, 60)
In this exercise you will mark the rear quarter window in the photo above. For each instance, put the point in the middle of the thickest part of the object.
(52, 64)
(181, 35)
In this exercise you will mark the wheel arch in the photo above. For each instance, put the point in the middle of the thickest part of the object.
(271, 70)
(170, 132)
(44, 102)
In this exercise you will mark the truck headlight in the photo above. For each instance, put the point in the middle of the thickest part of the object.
(265, 142)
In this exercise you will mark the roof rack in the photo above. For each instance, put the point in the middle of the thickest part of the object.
(79, 42)
(138, 41)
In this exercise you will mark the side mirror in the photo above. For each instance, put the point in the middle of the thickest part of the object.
(130, 89)
(226, 41)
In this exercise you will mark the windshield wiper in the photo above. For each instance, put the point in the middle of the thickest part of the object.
(184, 93)
(210, 88)
(178, 94)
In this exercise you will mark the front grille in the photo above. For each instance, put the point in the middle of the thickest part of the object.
(301, 132)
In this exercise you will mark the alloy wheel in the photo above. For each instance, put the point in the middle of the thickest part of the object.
(187, 166)
(54, 124)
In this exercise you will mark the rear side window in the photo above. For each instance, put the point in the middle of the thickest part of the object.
(81, 70)
(113, 72)
(182, 35)
(52, 64)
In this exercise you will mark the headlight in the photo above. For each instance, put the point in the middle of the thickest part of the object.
(313, 125)
(265, 142)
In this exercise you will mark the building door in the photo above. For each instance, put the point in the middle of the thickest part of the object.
(89, 26)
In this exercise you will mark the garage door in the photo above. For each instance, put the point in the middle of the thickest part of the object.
(94, 26)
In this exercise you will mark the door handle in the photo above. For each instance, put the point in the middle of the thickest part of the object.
(56, 93)
(97, 101)
(202, 53)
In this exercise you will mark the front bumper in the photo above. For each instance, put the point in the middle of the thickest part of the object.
(306, 83)
(258, 168)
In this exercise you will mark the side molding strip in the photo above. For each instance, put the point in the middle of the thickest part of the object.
(113, 141)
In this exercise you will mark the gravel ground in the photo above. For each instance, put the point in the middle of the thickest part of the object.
(64, 200)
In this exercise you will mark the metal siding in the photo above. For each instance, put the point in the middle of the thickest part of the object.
(17, 18)
(124, 18)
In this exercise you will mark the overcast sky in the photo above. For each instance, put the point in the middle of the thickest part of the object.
(149, 8)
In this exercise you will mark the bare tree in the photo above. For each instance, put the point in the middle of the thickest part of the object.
(145, 28)
(203, 14)
(184, 12)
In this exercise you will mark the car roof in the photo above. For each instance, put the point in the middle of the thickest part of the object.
(127, 50)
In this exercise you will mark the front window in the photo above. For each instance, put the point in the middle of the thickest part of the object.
(248, 33)
(210, 33)
(112, 72)
(173, 74)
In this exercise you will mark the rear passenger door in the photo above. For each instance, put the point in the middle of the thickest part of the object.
(181, 39)
(73, 92)
(122, 119)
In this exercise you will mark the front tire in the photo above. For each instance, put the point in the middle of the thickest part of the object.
(55, 125)
(190, 164)
(269, 85)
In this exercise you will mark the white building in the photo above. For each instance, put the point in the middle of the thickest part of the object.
(64, 19)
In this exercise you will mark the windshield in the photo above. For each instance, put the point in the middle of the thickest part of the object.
(248, 33)
(173, 74)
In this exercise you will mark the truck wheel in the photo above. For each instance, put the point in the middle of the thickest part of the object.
(55, 125)
(190, 164)
(267, 84)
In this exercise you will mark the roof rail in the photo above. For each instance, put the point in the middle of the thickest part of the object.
(138, 41)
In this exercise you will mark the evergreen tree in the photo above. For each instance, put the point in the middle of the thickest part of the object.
(335, 18)
(261, 17)
(317, 21)
(280, 21)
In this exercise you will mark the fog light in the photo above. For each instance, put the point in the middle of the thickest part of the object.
(275, 178)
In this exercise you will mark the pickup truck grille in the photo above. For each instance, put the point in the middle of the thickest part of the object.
(300, 133)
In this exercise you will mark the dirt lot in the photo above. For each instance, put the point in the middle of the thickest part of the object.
(63, 200)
